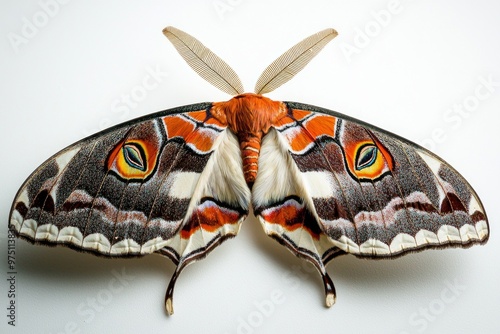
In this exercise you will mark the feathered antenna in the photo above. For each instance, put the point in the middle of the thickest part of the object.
(204, 62)
(286, 66)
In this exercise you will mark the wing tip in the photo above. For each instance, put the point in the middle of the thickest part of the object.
(169, 306)
(330, 299)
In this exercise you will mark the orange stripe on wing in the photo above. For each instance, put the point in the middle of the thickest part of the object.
(299, 139)
(200, 116)
(291, 215)
(202, 139)
(299, 115)
(178, 126)
(213, 121)
(302, 128)
(210, 217)
(184, 126)
(321, 125)
(283, 122)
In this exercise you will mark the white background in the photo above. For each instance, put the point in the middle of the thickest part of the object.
(403, 71)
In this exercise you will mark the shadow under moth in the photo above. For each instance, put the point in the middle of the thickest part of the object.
(181, 181)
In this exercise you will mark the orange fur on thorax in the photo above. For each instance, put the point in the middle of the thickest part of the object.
(249, 116)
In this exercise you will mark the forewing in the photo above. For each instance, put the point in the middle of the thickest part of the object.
(152, 184)
(346, 186)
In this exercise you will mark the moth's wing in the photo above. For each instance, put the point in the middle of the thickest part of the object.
(343, 186)
(170, 182)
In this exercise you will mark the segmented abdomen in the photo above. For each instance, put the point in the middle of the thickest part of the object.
(250, 150)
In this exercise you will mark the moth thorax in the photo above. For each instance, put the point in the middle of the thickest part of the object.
(249, 116)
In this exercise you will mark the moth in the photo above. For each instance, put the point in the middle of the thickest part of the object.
(181, 181)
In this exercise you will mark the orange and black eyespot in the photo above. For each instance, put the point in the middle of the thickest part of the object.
(134, 156)
(368, 160)
(366, 156)
(133, 159)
